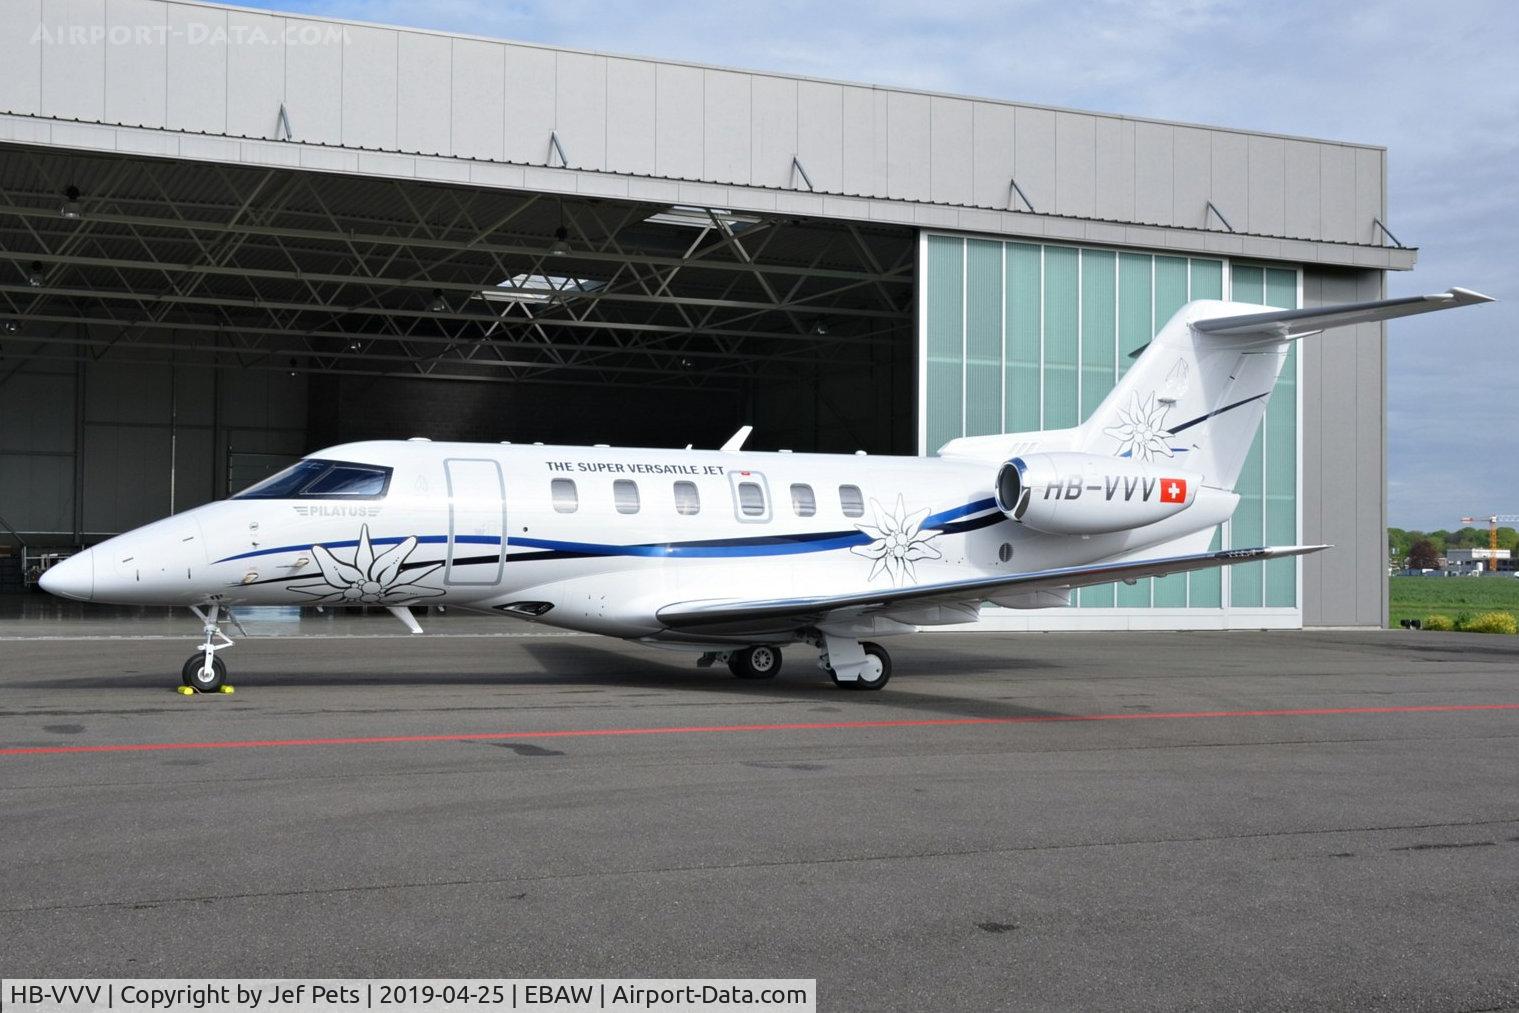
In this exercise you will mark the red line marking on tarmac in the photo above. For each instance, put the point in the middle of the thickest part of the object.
(796, 726)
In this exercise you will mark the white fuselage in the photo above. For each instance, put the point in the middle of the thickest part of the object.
(703, 549)
(479, 526)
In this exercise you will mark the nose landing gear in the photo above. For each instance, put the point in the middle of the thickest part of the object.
(203, 671)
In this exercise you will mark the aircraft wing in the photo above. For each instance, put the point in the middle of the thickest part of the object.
(1296, 323)
(728, 615)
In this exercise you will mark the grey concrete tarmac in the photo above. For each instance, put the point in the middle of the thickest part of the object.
(1161, 861)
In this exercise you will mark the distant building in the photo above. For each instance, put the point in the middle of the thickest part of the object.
(1475, 560)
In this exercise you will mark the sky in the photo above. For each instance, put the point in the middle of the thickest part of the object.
(1437, 84)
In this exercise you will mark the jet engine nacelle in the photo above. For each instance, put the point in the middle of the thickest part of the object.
(1086, 494)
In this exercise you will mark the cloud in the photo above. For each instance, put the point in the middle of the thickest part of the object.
(1435, 85)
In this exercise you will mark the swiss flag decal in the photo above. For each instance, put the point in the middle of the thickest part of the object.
(1173, 490)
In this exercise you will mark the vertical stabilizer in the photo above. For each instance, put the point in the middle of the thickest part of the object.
(1192, 398)
(1199, 390)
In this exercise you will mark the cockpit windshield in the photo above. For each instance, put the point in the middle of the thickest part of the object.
(317, 479)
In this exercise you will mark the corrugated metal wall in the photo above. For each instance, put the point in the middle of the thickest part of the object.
(136, 440)
(1345, 458)
(186, 66)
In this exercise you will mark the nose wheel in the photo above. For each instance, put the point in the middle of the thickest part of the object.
(203, 671)
(198, 680)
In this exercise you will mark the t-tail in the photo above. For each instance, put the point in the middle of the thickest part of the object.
(1197, 394)
(1171, 438)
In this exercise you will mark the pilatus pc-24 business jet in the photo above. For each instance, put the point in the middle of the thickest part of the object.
(733, 554)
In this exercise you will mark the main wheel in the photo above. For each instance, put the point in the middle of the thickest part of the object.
(759, 662)
(874, 675)
(877, 667)
(194, 676)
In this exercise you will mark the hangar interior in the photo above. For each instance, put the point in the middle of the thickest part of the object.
(180, 333)
(230, 237)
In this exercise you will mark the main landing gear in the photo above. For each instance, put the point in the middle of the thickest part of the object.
(203, 671)
(762, 661)
(851, 664)
(871, 670)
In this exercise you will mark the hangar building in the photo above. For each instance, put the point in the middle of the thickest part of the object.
(230, 237)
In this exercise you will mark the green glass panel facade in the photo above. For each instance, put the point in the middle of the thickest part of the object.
(1281, 288)
(1136, 326)
(1099, 357)
(1024, 308)
(1062, 288)
(983, 337)
(1246, 529)
(1281, 455)
(1249, 284)
(946, 339)
(1037, 335)
(1205, 588)
(1099, 327)
(1267, 514)
(1171, 283)
(1207, 278)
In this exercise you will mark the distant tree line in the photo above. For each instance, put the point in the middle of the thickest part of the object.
(1422, 549)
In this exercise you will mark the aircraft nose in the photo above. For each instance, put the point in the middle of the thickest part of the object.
(73, 578)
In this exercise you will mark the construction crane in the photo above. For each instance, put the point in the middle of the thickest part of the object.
(1493, 520)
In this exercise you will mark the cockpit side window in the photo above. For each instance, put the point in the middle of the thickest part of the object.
(350, 480)
(317, 479)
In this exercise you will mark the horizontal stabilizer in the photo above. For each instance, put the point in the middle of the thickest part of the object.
(1296, 323)
(791, 613)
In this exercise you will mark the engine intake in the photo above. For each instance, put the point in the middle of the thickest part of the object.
(1086, 494)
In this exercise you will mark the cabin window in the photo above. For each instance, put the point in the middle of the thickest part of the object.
(803, 501)
(687, 499)
(317, 479)
(852, 501)
(566, 496)
(751, 499)
(625, 495)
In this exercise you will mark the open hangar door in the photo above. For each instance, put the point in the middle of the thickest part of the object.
(171, 331)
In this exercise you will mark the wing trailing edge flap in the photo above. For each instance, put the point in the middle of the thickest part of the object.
(735, 616)
(1298, 323)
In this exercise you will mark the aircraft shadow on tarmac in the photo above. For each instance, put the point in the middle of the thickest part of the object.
(579, 668)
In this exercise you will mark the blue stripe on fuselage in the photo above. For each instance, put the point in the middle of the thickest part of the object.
(759, 545)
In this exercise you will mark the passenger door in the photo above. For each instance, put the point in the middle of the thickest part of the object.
(751, 496)
(476, 522)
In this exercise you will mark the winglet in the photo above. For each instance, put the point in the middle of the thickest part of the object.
(736, 441)
(1467, 297)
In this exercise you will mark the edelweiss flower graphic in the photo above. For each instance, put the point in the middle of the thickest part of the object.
(368, 579)
(897, 542)
(1141, 432)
